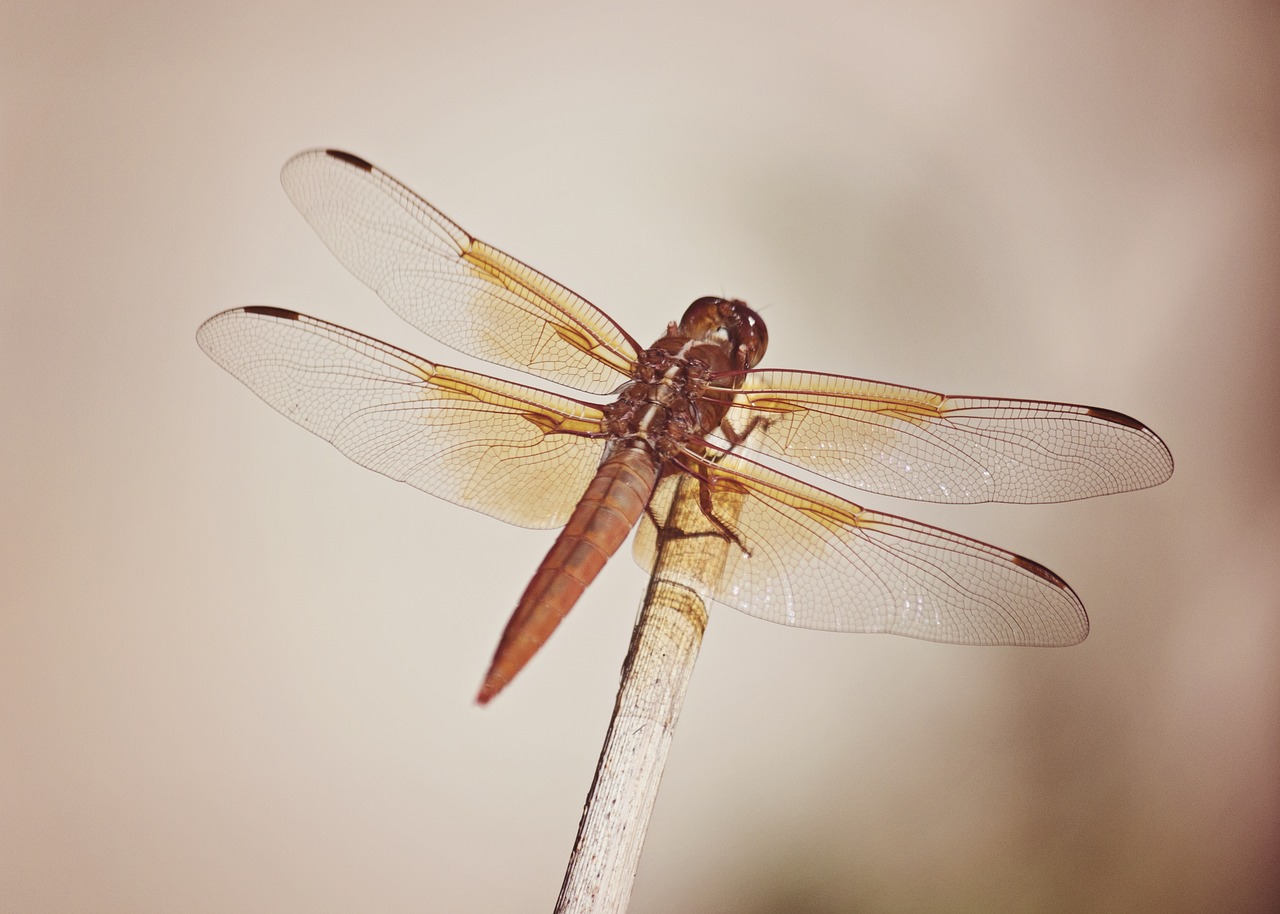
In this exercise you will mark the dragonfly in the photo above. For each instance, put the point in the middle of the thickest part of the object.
(694, 406)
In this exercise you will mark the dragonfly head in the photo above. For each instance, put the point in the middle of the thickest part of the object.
(728, 323)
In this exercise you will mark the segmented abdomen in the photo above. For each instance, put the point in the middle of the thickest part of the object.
(611, 506)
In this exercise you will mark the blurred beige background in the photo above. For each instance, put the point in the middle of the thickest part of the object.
(236, 671)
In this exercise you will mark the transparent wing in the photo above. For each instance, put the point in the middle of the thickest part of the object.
(813, 560)
(930, 447)
(451, 286)
(510, 451)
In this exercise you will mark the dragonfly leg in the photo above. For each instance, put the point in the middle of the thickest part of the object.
(705, 486)
(735, 437)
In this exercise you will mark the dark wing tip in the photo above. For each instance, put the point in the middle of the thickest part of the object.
(1110, 415)
(268, 311)
(1115, 418)
(1040, 571)
(1082, 618)
(353, 161)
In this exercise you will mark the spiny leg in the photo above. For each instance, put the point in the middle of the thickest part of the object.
(709, 512)
(722, 530)
(735, 437)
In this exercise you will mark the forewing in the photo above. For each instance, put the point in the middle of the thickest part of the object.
(813, 560)
(453, 287)
(930, 447)
(510, 451)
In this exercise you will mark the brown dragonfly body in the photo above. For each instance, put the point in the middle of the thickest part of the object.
(692, 405)
(655, 418)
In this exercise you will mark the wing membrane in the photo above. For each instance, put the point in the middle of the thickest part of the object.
(930, 447)
(512, 452)
(816, 561)
(453, 287)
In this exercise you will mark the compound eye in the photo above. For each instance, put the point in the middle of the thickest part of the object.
(703, 318)
(728, 322)
(757, 334)
(707, 306)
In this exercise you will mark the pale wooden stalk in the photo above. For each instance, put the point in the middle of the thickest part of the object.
(655, 675)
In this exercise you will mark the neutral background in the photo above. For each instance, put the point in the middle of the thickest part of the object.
(236, 671)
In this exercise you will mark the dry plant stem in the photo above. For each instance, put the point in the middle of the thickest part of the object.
(664, 647)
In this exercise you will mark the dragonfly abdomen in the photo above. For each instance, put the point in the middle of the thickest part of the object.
(611, 506)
